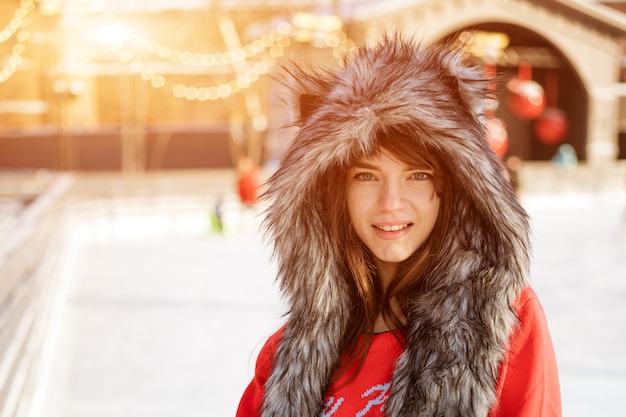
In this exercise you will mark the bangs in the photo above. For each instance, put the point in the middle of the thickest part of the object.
(406, 146)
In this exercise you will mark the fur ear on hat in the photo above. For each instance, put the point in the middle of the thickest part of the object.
(309, 103)
(472, 92)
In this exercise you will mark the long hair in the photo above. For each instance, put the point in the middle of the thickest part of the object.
(360, 274)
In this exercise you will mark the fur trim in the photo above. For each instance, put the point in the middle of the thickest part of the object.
(458, 330)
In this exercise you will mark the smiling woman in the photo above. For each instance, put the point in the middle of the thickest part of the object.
(402, 250)
(392, 207)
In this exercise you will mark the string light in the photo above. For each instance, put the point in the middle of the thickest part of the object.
(20, 21)
(116, 33)
(265, 50)
(220, 91)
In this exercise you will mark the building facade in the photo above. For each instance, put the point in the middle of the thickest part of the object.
(190, 85)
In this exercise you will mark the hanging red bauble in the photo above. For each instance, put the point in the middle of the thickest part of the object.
(497, 136)
(527, 99)
(552, 127)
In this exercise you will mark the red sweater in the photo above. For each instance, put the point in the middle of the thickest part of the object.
(528, 385)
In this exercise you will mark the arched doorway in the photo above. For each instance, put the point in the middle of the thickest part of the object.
(551, 69)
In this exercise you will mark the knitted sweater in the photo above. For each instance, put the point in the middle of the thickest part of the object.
(527, 384)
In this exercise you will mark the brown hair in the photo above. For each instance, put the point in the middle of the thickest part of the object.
(369, 298)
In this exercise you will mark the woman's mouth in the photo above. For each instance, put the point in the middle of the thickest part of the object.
(392, 227)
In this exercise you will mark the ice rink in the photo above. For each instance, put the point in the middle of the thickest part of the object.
(157, 316)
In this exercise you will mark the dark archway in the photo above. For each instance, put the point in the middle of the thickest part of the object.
(571, 95)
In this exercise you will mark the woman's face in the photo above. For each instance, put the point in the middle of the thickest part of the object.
(393, 207)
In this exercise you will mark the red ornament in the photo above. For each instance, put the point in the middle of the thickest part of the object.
(552, 127)
(527, 99)
(497, 136)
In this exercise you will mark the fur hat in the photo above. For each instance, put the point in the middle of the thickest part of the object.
(457, 331)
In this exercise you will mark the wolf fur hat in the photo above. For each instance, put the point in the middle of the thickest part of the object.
(458, 330)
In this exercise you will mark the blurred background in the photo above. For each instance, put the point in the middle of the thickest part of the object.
(134, 136)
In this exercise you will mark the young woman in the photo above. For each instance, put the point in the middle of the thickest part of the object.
(402, 250)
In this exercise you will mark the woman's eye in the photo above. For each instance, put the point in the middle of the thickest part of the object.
(421, 176)
(363, 176)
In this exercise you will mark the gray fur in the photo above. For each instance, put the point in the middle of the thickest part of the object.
(457, 331)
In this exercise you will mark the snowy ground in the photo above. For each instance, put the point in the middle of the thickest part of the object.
(579, 272)
(156, 316)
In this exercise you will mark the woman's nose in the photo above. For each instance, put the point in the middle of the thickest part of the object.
(391, 197)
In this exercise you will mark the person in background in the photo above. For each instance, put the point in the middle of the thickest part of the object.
(216, 217)
(402, 250)
(247, 181)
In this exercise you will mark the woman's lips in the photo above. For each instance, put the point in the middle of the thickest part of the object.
(392, 230)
